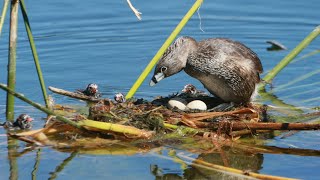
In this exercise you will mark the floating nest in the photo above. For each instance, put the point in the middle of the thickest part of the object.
(110, 122)
(154, 117)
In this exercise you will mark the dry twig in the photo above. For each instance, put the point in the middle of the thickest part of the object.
(74, 95)
(135, 11)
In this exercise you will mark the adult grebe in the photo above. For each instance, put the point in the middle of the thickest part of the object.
(228, 69)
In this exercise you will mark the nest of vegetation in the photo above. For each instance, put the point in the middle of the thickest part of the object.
(156, 116)
(109, 122)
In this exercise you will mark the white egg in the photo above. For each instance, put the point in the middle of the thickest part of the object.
(197, 104)
(178, 103)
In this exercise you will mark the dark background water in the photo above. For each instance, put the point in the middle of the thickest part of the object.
(80, 42)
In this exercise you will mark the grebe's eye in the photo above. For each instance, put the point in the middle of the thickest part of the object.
(163, 69)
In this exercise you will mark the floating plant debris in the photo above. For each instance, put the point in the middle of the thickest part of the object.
(275, 46)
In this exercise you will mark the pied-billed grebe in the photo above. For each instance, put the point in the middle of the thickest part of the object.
(91, 90)
(193, 91)
(24, 121)
(228, 69)
(119, 98)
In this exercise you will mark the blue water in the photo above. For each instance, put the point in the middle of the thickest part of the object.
(80, 42)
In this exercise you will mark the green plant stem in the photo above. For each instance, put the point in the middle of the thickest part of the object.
(12, 58)
(34, 51)
(286, 60)
(3, 14)
(115, 128)
(300, 78)
(295, 87)
(306, 55)
(311, 99)
(163, 48)
(38, 106)
(301, 93)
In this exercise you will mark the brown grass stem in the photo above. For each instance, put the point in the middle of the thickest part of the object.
(236, 126)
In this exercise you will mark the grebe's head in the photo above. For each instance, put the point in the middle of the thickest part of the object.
(24, 121)
(92, 89)
(174, 59)
(189, 89)
(119, 97)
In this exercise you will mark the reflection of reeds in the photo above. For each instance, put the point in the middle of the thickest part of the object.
(36, 165)
(62, 165)
(12, 152)
(184, 159)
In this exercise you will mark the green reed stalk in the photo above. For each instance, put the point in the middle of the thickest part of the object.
(286, 60)
(300, 78)
(34, 51)
(301, 93)
(306, 55)
(295, 87)
(311, 100)
(38, 106)
(3, 14)
(12, 58)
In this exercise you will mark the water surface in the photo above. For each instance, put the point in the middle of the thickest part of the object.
(80, 42)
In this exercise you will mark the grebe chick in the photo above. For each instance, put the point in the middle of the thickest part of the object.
(119, 98)
(24, 121)
(193, 91)
(91, 90)
(228, 69)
